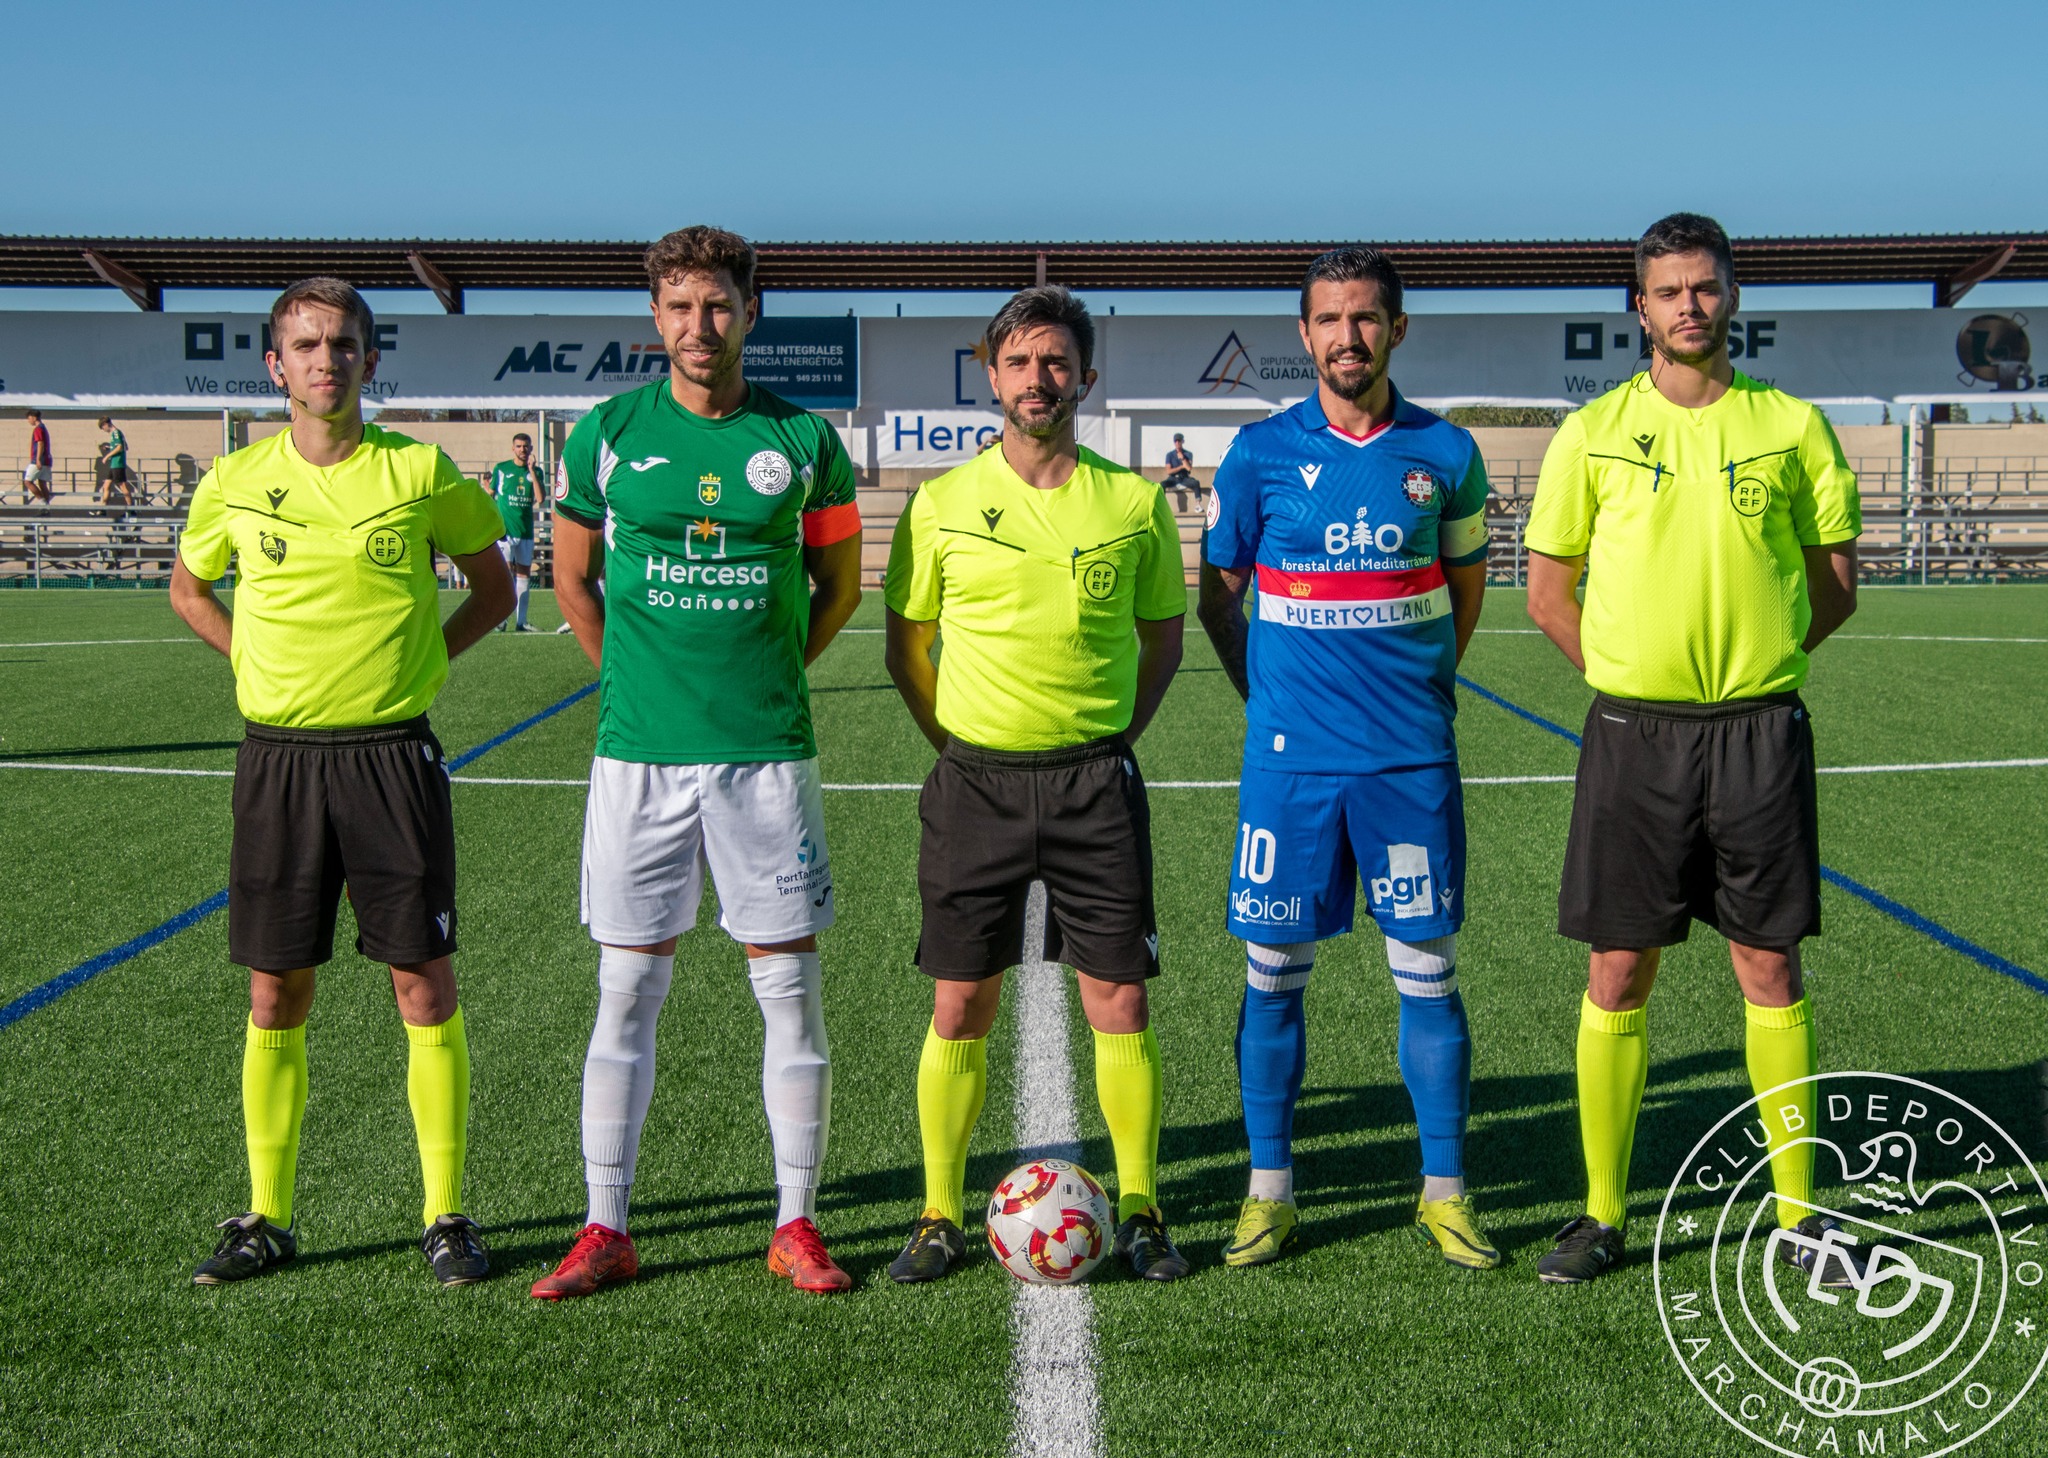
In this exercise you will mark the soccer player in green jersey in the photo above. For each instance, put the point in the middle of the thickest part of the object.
(1716, 522)
(706, 504)
(338, 651)
(516, 486)
(1055, 580)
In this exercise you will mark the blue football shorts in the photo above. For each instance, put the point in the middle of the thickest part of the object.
(1304, 842)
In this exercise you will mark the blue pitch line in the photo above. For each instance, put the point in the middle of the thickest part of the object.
(1518, 711)
(471, 756)
(63, 982)
(1982, 956)
(57, 986)
(1933, 930)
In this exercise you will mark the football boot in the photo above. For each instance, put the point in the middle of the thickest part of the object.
(601, 1256)
(1143, 1244)
(1584, 1250)
(798, 1252)
(1449, 1226)
(248, 1244)
(1265, 1229)
(936, 1246)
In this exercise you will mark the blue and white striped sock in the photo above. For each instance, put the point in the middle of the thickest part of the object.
(1272, 1051)
(1435, 1056)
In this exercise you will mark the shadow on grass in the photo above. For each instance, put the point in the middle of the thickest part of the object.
(124, 749)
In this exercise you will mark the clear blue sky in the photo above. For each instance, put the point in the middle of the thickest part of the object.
(1108, 121)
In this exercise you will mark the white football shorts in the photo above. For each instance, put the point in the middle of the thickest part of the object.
(517, 551)
(650, 829)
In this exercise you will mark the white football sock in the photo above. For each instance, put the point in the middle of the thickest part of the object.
(796, 1075)
(519, 588)
(1442, 1187)
(1273, 1184)
(618, 1076)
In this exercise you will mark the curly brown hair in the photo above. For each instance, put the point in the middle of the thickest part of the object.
(701, 249)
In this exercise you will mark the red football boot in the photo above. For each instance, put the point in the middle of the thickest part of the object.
(798, 1252)
(601, 1256)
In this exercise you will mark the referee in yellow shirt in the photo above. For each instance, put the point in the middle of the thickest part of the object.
(1055, 579)
(1716, 521)
(338, 651)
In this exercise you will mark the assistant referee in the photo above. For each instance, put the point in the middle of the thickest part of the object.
(1716, 521)
(338, 651)
(1055, 579)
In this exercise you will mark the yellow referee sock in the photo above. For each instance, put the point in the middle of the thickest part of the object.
(437, 1084)
(1780, 1047)
(952, 1080)
(273, 1109)
(1614, 1059)
(1128, 1085)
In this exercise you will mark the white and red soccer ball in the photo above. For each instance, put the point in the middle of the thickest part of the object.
(1049, 1222)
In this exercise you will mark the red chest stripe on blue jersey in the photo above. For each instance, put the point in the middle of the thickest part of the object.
(1350, 586)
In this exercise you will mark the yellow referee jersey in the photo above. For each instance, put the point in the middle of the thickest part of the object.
(1692, 523)
(1036, 594)
(337, 620)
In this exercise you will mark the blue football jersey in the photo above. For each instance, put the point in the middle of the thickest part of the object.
(1353, 655)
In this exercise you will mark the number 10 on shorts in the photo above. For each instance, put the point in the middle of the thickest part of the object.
(1256, 851)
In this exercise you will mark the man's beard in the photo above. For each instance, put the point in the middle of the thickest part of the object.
(1716, 342)
(1047, 426)
(722, 368)
(1351, 387)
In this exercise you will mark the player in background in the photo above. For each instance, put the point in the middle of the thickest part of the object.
(35, 476)
(1055, 580)
(516, 485)
(338, 651)
(114, 465)
(1716, 521)
(1362, 519)
(708, 505)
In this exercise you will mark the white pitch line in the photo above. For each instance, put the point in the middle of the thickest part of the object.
(1927, 638)
(1056, 1410)
(117, 769)
(97, 642)
(1953, 764)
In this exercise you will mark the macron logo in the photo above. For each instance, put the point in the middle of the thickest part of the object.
(1309, 474)
(649, 464)
(441, 920)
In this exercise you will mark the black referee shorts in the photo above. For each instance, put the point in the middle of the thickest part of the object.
(1074, 818)
(319, 808)
(1693, 812)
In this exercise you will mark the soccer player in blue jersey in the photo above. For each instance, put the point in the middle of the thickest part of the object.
(1362, 518)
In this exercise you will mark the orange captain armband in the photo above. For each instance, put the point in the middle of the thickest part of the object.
(829, 524)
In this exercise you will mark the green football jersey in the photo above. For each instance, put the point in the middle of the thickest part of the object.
(706, 600)
(512, 485)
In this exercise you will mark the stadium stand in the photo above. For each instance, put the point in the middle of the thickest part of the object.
(1979, 513)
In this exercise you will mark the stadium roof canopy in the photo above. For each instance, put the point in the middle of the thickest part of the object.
(144, 267)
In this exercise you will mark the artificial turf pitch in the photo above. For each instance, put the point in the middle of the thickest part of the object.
(120, 1117)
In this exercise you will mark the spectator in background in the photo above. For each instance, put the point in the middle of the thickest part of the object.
(114, 464)
(1180, 472)
(35, 476)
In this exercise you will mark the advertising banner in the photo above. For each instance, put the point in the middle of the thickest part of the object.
(918, 367)
(425, 361)
(1206, 362)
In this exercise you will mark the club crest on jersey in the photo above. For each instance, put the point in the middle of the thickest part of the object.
(273, 547)
(1420, 486)
(1215, 512)
(769, 473)
(709, 489)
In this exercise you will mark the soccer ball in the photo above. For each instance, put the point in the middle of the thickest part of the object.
(1048, 1222)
